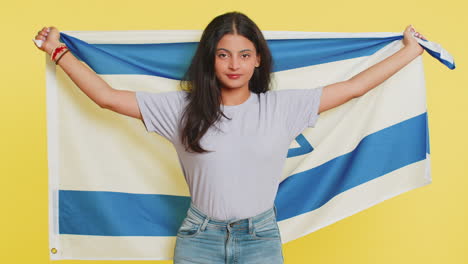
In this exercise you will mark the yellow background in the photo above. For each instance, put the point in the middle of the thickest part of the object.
(426, 225)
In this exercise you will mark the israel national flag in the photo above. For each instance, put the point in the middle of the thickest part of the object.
(117, 192)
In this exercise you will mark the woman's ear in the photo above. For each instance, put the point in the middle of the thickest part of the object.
(258, 61)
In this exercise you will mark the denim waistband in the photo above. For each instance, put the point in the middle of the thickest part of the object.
(197, 215)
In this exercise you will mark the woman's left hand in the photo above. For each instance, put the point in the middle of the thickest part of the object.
(410, 41)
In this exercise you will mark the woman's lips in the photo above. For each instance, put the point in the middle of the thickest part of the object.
(233, 76)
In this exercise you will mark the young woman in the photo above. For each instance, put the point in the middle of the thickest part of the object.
(231, 132)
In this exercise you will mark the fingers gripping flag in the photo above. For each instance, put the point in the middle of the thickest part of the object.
(118, 192)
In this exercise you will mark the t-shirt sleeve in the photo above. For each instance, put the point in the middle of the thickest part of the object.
(161, 112)
(300, 108)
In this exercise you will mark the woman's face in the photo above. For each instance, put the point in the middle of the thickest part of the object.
(235, 61)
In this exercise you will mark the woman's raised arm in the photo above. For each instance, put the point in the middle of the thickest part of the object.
(339, 93)
(119, 101)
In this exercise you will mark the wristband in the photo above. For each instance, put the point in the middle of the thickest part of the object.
(61, 55)
(58, 51)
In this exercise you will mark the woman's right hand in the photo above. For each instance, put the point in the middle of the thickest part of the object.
(50, 37)
(119, 101)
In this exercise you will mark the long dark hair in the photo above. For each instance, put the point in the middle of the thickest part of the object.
(204, 94)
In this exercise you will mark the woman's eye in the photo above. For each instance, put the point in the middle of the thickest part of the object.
(245, 55)
(222, 55)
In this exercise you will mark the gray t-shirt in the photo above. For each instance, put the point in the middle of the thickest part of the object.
(241, 178)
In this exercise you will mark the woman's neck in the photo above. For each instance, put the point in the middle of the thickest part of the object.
(234, 96)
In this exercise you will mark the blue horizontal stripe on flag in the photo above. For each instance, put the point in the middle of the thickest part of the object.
(120, 214)
(171, 60)
(126, 214)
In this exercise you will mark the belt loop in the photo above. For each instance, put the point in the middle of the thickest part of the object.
(250, 225)
(205, 222)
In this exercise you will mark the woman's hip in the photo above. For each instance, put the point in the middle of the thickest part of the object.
(248, 240)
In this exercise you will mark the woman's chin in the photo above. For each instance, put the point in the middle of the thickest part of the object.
(233, 85)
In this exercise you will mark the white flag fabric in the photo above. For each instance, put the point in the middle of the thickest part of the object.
(117, 192)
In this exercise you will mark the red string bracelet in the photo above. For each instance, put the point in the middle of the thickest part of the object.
(58, 50)
(61, 55)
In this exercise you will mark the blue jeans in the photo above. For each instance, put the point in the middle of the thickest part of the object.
(204, 240)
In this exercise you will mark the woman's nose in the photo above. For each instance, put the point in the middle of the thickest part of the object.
(234, 63)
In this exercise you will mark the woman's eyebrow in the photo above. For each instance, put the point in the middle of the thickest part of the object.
(230, 51)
